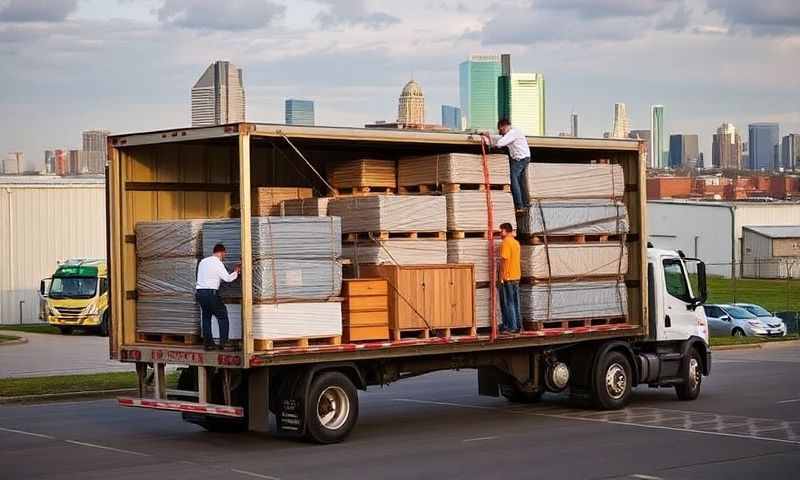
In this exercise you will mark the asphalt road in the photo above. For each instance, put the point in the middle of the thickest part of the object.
(745, 425)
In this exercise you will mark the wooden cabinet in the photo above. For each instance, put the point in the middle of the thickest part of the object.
(427, 297)
(365, 311)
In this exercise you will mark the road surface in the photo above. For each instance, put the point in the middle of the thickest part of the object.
(745, 425)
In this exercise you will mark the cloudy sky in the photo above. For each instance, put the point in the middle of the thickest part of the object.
(127, 65)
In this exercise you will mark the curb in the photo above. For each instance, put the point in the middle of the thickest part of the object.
(745, 346)
(18, 341)
(55, 397)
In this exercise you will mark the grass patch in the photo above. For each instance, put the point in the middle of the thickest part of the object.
(31, 328)
(12, 387)
(731, 340)
(7, 338)
(774, 295)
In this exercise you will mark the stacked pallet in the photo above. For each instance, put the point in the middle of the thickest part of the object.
(267, 201)
(296, 277)
(306, 207)
(363, 176)
(450, 172)
(574, 256)
(167, 254)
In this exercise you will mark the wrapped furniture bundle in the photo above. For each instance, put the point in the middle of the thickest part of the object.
(400, 251)
(166, 276)
(169, 238)
(390, 213)
(451, 168)
(466, 211)
(285, 321)
(573, 300)
(168, 314)
(574, 260)
(578, 217)
(574, 181)
(289, 279)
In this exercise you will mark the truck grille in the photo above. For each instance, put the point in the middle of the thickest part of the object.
(70, 311)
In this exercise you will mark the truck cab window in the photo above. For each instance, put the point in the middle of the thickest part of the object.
(675, 280)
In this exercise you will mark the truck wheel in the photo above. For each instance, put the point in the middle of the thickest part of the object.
(514, 394)
(102, 330)
(690, 389)
(331, 408)
(613, 381)
(65, 330)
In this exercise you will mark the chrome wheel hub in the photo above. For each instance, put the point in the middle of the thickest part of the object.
(616, 381)
(694, 373)
(333, 408)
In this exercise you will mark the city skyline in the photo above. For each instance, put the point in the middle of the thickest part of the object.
(218, 96)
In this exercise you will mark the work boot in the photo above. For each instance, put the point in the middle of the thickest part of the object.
(207, 346)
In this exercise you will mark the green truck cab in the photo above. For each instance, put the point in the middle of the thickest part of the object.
(77, 296)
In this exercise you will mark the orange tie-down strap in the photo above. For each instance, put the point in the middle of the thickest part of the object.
(490, 229)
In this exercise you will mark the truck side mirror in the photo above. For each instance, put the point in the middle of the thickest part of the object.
(701, 283)
(43, 287)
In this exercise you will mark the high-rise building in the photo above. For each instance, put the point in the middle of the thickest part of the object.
(61, 162)
(622, 126)
(299, 112)
(451, 117)
(14, 163)
(657, 158)
(49, 162)
(411, 105)
(684, 151)
(726, 149)
(790, 152)
(218, 96)
(573, 124)
(526, 102)
(642, 135)
(764, 140)
(77, 162)
(478, 80)
(95, 148)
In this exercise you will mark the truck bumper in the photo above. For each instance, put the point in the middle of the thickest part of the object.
(87, 320)
(181, 406)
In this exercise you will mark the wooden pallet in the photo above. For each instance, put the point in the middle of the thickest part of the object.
(581, 238)
(452, 188)
(303, 342)
(425, 333)
(357, 191)
(594, 278)
(168, 338)
(573, 323)
(460, 235)
(362, 236)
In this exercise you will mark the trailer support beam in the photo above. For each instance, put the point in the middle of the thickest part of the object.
(258, 400)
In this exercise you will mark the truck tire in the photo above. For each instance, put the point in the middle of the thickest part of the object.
(693, 377)
(514, 394)
(102, 329)
(612, 381)
(331, 408)
(65, 330)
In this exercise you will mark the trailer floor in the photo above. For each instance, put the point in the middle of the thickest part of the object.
(746, 424)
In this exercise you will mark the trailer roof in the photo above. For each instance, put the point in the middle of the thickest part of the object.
(275, 130)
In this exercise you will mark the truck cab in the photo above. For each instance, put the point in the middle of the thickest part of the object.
(77, 296)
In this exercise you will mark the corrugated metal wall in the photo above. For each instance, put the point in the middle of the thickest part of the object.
(39, 226)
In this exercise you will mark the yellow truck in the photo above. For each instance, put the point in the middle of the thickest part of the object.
(77, 296)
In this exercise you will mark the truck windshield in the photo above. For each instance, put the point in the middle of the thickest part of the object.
(757, 311)
(73, 287)
(739, 313)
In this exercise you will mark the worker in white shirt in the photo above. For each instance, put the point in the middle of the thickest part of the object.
(519, 155)
(210, 272)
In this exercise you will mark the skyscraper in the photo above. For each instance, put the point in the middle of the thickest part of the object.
(49, 161)
(218, 96)
(726, 148)
(790, 152)
(62, 162)
(411, 105)
(642, 135)
(526, 103)
(478, 90)
(683, 151)
(764, 140)
(573, 124)
(656, 159)
(299, 112)
(95, 148)
(451, 117)
(622, 126)
(14, 163)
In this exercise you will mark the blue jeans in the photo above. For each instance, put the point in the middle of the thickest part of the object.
(509, 305)
(211, 305)
(519, 187)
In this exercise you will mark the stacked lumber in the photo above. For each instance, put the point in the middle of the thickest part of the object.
(363, 175)
(292, 324)
(437, 171)
(473, 251)
(167, 254)
(267, 201)
(482, 301)
(365, 311)
(306, 207)
(397, 251)
(467, 212)
(390, 213)
(573, 254)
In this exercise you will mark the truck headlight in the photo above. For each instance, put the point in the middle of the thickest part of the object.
(53, 311)
(91, 310)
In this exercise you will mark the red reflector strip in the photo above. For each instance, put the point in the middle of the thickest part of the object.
(177, 406)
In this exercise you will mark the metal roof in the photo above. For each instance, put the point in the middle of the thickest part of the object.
(50, 181)
(775, 231)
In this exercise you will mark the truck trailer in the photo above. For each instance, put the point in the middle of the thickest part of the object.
(312, 389)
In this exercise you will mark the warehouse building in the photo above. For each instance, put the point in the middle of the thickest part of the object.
(771, 252)
(44, 220)
(712, 231)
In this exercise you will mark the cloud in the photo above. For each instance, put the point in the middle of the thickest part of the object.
(343, 13)
(764, 17)
(229, 15)
(607, 8)
(36, 10)
(677, 22)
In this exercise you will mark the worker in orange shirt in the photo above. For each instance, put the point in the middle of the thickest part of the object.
(510, 274)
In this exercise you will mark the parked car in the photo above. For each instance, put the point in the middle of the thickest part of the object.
(732, 320)
(765, 316)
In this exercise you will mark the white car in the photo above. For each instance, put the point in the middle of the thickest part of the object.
(771, 321)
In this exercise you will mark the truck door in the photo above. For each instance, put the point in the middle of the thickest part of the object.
(680, 319)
